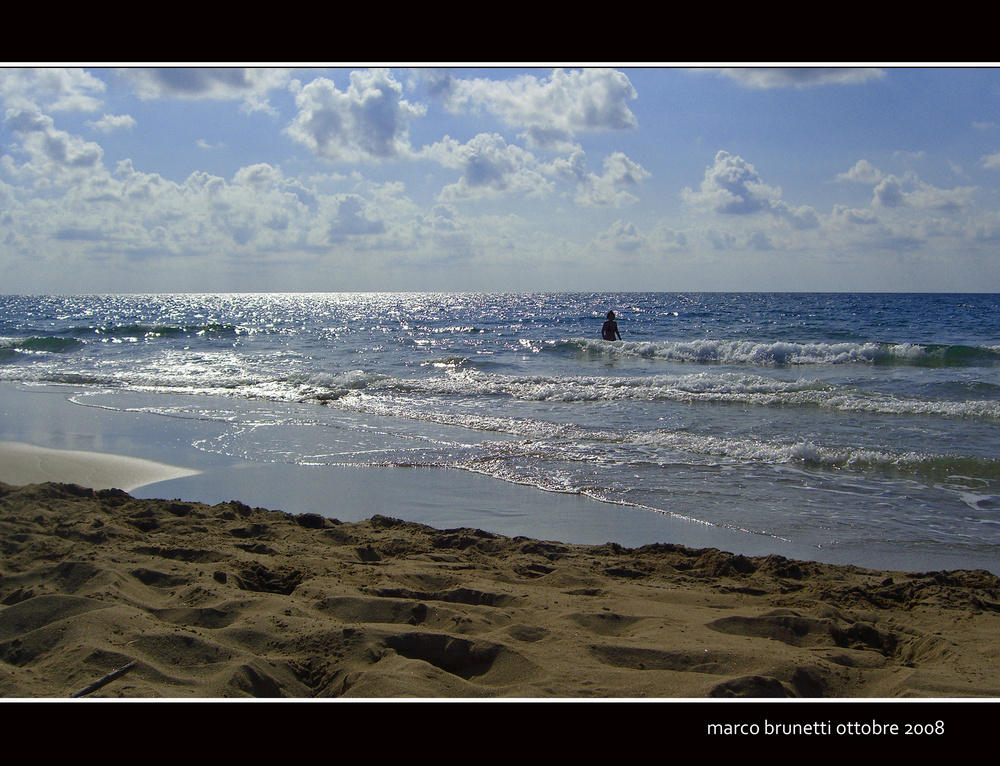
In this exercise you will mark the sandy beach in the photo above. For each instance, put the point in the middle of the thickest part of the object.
(225, 601)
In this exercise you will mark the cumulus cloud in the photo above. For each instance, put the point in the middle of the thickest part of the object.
(247, 84)
(624, 237)
(368, 121)
(889, 192)
(259, 177)
(51, 88)
(444, 218)
(668, 239)
(743, 239)
(112, 122)
(892, 191)
(862, 172)
(798, 77)
(909, 192)
(991, 161)
(606, 190)
(230, 83)
(552, 110)
(54, 156)
(732, 186)
(854, 216)
(352, 215)
(490, 167)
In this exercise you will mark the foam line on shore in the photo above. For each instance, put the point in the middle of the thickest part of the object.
(27, 464)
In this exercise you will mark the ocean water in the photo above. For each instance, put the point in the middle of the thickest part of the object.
(860, 428)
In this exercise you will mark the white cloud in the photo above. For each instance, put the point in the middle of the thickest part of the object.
(368, 121)
(54, 156)
(350, 215)
(854, 216)
(667, 239)
(247, 84)
(908, 192)
(553, 110)
(622, 236)
(895, 192)
(444, 218)
(889, 192)
(732, 186)
(229, 83)
(490, 167)
(259, 177)
(862, 172)
(798, 77)
(111, 122)
(605, 190)
(991, 161)
(52, 88)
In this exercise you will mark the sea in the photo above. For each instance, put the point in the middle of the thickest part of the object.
(845, 428)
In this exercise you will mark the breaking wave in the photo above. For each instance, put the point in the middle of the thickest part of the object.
(784, 353)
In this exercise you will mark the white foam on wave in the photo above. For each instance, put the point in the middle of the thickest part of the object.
(709, 388)
(226, 378)
(778, 353)
(738, 351)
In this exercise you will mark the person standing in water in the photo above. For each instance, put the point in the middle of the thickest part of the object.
(610, 328)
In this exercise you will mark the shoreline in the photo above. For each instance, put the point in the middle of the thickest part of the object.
(43, 416)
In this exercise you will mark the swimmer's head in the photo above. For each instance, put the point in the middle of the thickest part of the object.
(611, 315)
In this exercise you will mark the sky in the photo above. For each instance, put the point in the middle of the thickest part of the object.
(475, 178)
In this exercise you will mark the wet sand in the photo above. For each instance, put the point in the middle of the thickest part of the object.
(25, 463)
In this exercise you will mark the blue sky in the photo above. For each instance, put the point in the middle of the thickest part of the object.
(473, 178)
